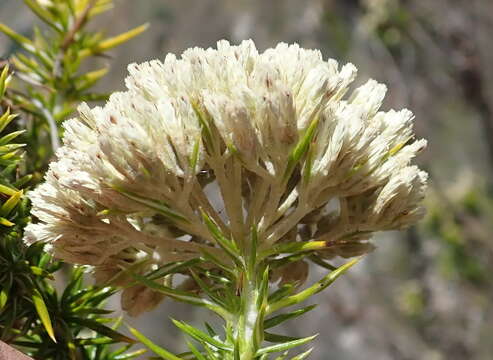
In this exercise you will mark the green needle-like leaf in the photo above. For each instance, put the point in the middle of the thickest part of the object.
(282, 356)
(23, 41)
(210, 329)
(9, 137)
(89, 79)
(307, 171)
(42, 13)
(303, 355)
(112, 42)
(252, 259)
(301, 148)
(277, 338)
(284, 291)
(6, 118)
(312, 290)
(226, 244)
(182, 296)
(194, 158)
(172, 268)
(4, 295)
(163, 353)
(207, 289)
(9, 205)
(200, 335)
(129, 355)
(195, 351)
(6, 222)
(43, 314)
(7, 190)
(276, 320)
(152, 204)
(285, 346)
(4, 80)
(101, 329)
(293, 247)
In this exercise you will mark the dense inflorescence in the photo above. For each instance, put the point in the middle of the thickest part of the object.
(266, 140)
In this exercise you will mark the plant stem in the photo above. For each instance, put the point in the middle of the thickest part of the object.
(251, 288)
(248, 323)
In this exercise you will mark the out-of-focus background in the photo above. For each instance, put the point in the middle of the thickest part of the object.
(426, 293)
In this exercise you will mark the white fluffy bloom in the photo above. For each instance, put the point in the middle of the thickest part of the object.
(274, 131)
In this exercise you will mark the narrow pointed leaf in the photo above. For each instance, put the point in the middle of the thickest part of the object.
(41, 272)
(213, 259)
(320, 262)
(89, 79)
(119, 351)
(163, 353)
(101, 329)
(4, 80)
(23, 41)
(182, 295)
(43, 314)
(284, 291)
(293, 247)
(110, 43)
(282, 357)
(6, 118)
(9, 137)
(172, 268)
(161, 208)
(206, 289)
(194, 158)
(303, 355)
(263, 288)
(206, 131)
(276, 320)
(195, 351)
(307, 171)
(4, 296)
(130, 355)
(226, 244)
(277, 338)
(301, 148)
(7, 190)
(200, 335)
(286, 346)
(22, 181)
(312, 290)
(6, 222)
(252, 259)
(210, 329)
(42, 13)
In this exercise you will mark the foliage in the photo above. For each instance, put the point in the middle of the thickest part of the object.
(178, 122)
(50, 72)
(49, 84)
(49, 325)
(43, 90)
(461, 223)
(238, 292)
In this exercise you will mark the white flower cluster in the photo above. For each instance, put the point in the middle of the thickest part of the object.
(273, 133)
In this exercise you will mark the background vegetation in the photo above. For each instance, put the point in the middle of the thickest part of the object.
(423, 294)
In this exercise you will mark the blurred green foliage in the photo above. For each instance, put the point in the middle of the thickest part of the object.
(434, 55)
(50, 77)
(462, 225)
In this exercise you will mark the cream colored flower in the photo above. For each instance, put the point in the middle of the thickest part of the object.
(273, 133)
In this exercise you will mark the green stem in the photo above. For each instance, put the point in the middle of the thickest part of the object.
(253, 286)
(248, 322)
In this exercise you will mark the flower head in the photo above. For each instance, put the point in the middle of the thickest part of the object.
(246, 139)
